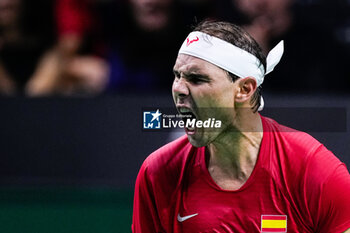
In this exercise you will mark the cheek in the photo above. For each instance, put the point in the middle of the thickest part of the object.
(219, 98)
(228, 99)
(218, 105)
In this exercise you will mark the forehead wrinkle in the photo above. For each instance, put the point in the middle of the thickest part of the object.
(188, 69)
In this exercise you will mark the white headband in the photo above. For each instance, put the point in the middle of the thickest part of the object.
(230, 57)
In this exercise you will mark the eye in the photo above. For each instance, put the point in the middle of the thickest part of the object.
(196, 81)
(176, 74)
(197, 78)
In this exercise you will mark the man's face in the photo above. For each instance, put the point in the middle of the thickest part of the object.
(151, 15)
(258, 8)
(9, 12)
(206, 91)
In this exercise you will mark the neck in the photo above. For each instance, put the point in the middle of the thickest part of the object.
(233, 155)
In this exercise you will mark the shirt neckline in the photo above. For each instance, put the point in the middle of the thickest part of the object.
(263, 152)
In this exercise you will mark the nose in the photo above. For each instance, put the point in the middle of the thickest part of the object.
(180, 88)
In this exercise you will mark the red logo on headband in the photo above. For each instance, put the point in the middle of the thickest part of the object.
(191, 41)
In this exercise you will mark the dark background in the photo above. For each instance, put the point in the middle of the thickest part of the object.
(69, 164)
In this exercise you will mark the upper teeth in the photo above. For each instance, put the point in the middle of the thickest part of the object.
(184, 110)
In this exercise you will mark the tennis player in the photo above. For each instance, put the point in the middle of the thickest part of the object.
(252, 174)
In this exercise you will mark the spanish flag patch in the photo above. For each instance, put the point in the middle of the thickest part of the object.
(273, 223)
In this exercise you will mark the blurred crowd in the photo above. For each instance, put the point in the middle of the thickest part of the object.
(92, 47)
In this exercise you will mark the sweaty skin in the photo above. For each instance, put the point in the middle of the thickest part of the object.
(232, 150)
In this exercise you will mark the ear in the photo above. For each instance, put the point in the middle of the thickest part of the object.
(246, 88)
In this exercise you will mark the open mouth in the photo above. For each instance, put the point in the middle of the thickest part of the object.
(189, 118)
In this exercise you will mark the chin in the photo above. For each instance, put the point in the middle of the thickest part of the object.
(197, 142)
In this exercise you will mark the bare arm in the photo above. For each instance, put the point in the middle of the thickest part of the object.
(61, 70)
(45, 78)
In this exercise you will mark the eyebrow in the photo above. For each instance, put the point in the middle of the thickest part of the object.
(196, 75)
(192, 74)
(192, 71)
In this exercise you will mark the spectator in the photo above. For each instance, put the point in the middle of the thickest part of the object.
(34, 63)
(314, 55)
(74, 66)
(144, 34)
(25, 38)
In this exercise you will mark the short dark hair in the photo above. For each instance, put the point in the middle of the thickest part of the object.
(240, 38)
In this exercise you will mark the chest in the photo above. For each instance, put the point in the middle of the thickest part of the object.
(259, 207)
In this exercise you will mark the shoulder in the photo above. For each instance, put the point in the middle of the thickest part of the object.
(299, 154)
(167, 164)
(168, 155)
(310, 176)
(290, 142)
(292, 138)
